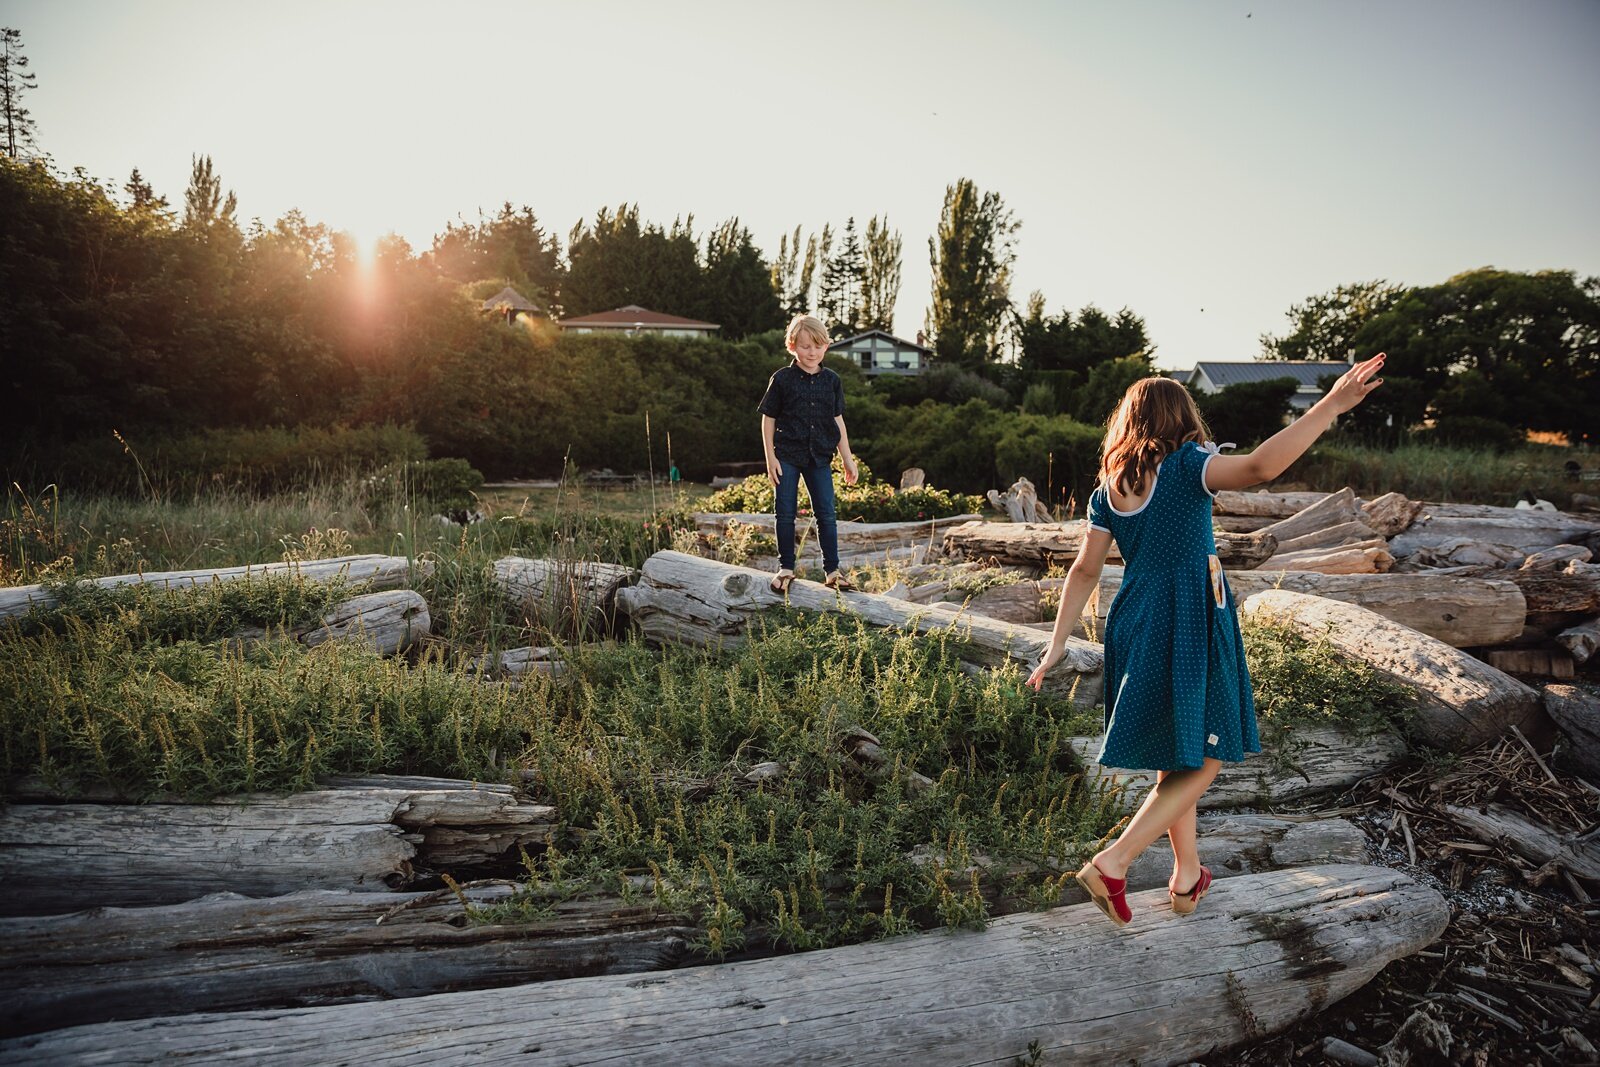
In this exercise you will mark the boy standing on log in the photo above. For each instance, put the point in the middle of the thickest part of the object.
(802, 424)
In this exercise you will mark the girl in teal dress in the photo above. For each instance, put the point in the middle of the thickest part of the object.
(1177, 694)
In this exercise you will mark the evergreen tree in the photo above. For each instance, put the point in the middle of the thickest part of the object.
(839, 298)
(15, 82)
(880, 286)
(971, 257)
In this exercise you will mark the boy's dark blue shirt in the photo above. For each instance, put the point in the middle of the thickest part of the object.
(803, 408)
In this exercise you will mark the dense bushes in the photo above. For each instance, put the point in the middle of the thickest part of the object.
(869, 500)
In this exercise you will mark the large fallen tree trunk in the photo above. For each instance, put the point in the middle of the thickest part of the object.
(856, 537)
(1360, 557)
(1263, 952)
(1577, 713)
(1335, 509)
(1323, 760)
(1263, 504)
(689, 600)
(1461, 702)
(1044, 544)
(1441, 526)
(378, 572)
(227, 952)
(388, 623)
(363, 834)
(1464, 612)
(547, 589)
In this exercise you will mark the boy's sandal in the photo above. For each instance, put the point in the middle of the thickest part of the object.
(839, 583)
(780, 582)
(1109, 894)
(1184, 903)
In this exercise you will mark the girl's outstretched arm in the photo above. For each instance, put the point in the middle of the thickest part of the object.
(1274, 455)
(1083, 577)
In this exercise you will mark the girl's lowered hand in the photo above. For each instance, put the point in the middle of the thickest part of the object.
(1354, 385)
(1051, 658)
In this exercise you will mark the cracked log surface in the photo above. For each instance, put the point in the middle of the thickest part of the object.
(227, 952)
(379, 572)
(1262, 952)
(363, 834)
(1324, 760)
(1462, 702)
(690, 600)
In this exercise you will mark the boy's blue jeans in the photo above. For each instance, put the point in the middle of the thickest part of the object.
(819, 483)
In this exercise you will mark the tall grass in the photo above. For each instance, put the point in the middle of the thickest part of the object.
(1432, 472)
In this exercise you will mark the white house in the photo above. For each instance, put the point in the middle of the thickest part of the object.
(635, 319)
(877, 352)
(1215, 377)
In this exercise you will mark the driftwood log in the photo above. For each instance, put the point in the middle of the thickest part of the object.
(1440, 526)
(1020, 503)
(1461, 701)
(227, 952)
(1043, 544)
(854, 537)
(1262, 503)
(583, 590)
(518, 663)
(1360, 557)
(1581, 641)
(690, 600)
(1464, 612)
(377, 572)
(1263, 952)
(1391, 513)
(363, 833)
(388, 622)
(1328, 537)
(1577, 713)
(1499, 825)
(1334, 509)
(1324, 759)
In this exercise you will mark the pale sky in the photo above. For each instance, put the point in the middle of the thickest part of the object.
(1205, 163)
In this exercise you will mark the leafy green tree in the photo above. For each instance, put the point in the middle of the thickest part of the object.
(1107, 382)
(1325, 326)
(786, 275)
(16, 81)
(1062, 343)
(971, 255)
(512, 245)
(737, 284)
(1248, 412)
(620, 261)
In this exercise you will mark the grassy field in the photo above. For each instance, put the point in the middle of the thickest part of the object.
(641, 750)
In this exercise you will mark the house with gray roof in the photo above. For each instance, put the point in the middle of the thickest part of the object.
(1213, 377)
(880, 352)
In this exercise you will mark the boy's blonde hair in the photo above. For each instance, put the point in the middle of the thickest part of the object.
(809, 325)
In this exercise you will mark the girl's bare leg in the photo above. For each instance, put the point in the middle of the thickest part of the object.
(1184, 834)
(1173, 798)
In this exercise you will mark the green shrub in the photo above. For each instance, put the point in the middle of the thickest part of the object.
(1471, 431)
(429, 485)
(869, 500)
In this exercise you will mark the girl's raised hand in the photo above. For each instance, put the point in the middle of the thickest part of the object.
(1354, 385)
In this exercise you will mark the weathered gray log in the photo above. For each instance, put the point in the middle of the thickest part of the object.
(1325, 759)
(1526, 531)
(1362, 557)
(1335, 509)
(1577, 712)
(388, 622)
(689, 600)
(544, 587)
(1573, 588)
(1328, 537)
(1264, 952)
(378, 572)
(1499, 825)
(1462, 552)
(912, 478)
(1557, 556)
(1391, 513)
(1581, 641)
(1044, 544)
(1018, 602)
(516, 663)
(1464, 612)
(361, 834)
(1262, 503)
(1461, 701)
(227, 952)
(1546, 662)
(853, 536)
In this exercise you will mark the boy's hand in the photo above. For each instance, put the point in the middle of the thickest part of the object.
(851, 473)
(1352, 388)
(774, 470)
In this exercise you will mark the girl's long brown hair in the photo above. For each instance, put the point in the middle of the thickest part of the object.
(1156, 416)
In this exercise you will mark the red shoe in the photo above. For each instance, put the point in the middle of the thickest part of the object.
(1109, 894)
(1184, 903)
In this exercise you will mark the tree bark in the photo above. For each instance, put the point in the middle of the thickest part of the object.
(360, 834)
(1263, 952)
(1391, 513)
(1577, 713)
(1325, 760)
(1363, 557)
(378, 572)
(1464, 612)
(1581, 641)
(226, 952)
(1461, 702)
(1335, 509)
(690, 600)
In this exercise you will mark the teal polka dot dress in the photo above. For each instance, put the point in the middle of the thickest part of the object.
(1177, 687)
